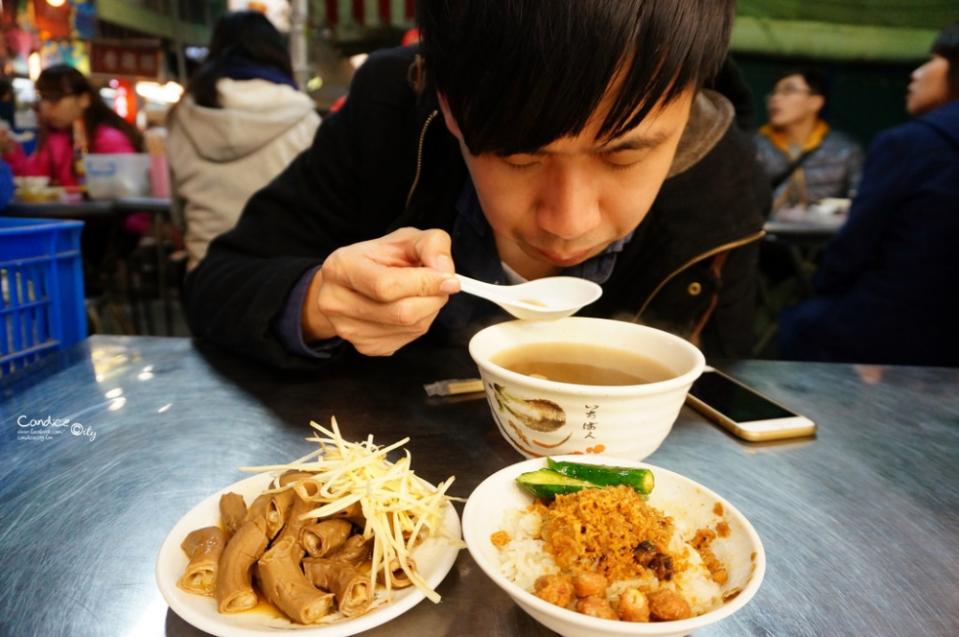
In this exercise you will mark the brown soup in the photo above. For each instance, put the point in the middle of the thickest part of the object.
(582, 364)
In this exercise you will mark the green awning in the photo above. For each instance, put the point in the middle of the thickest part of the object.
(865, 30)
(149, 21)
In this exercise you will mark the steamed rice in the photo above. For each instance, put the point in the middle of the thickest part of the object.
(524, 558)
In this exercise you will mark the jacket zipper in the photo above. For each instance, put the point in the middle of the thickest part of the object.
(419, 157)
(732, 245)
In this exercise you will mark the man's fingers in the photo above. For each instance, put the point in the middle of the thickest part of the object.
(377, 339)
(407, 262)
(379, 295)
(408, 312)
(386, 284)
(432, 249)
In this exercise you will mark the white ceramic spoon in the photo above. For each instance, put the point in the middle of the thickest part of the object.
(548, 298)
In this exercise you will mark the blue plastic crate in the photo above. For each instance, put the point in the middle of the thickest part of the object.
(41, 289)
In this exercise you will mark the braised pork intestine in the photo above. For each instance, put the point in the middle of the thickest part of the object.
(324, 535)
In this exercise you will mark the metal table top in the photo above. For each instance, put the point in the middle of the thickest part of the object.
(859, 525)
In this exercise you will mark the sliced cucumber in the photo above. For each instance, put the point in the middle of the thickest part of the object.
(547, 484)
(640, 480)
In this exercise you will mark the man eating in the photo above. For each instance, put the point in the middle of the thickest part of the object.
(522, 139)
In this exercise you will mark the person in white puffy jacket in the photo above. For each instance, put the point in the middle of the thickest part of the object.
(239, 124)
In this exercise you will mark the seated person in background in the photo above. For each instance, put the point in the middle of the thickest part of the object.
(805, 159)
(505, 154)
(886, 287)
(240, 123)
(74, 121)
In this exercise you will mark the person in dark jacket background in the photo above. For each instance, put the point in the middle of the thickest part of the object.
(886, 286)
(503, 153)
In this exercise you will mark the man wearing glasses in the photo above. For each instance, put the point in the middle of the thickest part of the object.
(806, 160)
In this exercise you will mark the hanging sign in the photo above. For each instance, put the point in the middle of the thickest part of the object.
(130, 59)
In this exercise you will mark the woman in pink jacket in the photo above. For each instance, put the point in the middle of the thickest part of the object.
(74, 121)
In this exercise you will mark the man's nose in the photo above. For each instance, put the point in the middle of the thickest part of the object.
(568, 205)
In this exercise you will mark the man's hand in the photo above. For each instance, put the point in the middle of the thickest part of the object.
(381, 294)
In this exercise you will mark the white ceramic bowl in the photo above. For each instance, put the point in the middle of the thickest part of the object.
(627, 421)
(32, 182)
(741, 551)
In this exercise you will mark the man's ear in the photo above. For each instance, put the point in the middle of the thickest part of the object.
(819, 102)
(451, 124)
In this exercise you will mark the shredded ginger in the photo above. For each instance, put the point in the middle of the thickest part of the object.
(401, 509)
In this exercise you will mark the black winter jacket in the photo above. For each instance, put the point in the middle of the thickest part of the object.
(386, 161)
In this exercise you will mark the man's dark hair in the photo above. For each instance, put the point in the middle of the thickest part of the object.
(240, 37)
(814, 78)
(947, 45)
(519, 74)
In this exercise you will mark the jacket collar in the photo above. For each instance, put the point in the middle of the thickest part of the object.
(709, 118)
(945, 120)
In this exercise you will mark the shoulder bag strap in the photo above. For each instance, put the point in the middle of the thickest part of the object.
(793, 167)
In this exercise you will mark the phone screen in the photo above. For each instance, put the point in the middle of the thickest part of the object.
(735, 401)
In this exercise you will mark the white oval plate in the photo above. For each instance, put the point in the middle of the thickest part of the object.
(434, 559)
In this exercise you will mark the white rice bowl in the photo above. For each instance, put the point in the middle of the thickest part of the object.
(499, 505)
